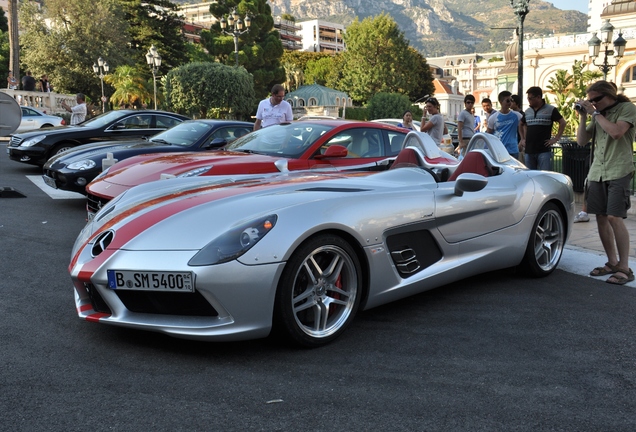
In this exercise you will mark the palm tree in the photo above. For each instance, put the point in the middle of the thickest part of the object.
(567, 88)
(130, 87)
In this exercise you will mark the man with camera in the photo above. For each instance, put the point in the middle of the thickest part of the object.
(612, 132)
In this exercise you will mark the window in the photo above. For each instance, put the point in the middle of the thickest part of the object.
(313, 101)
(135, 122)
(165, 122)
(629, 75)
(360, 143)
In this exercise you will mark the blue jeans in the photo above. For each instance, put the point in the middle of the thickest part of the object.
(539, 161)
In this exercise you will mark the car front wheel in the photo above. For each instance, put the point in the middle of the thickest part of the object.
(61, 148)
(546, 242)
(319, 291)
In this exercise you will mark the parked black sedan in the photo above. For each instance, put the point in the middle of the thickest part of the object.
(72, 170)
(37, 147)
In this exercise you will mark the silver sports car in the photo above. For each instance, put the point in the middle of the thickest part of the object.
(301, 252)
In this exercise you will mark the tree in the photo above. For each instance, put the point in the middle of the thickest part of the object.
(155, 22)
(260, 49)
(210, 90)
(388, 105)
(296, 66)
(130, 86)
(4, 23)
(378, 59)
(288, 17)
(567, 88)
(320, 71)
(14, 40)
(66, 37)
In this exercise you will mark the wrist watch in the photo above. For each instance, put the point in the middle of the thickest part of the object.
(595, 113)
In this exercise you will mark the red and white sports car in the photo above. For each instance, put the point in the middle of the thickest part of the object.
(297, 146)
(233, 257)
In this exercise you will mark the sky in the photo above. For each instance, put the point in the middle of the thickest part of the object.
(579, 5)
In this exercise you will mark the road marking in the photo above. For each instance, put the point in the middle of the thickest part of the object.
(54, 193)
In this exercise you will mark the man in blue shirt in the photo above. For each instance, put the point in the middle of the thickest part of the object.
(504, 124)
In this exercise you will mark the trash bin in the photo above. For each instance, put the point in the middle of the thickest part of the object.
(576, 162)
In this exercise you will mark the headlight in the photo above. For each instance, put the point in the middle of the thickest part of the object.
(82, 165)
(195, 172)
(234, 243)
(32, 141)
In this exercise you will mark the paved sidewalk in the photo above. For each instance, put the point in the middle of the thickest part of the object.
(585, 234)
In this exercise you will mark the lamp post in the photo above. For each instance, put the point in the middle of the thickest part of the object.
(594, 46)
(235, 29)
(101, 70)
(520, 7)
(154, 61)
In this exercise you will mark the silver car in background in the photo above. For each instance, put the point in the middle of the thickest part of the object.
(33, 118)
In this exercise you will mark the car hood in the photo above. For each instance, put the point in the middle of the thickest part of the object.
(98, 151)
(147, 168)
(148, 217)
(48, 131)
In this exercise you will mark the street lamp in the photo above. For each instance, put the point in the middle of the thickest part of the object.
(101, 70)
(520, 8)
(594, 46)
(154, 61)
(235, 29)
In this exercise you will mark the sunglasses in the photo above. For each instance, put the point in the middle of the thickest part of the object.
(597, 99)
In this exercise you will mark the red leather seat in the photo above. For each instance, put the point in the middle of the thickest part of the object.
(474, 162)
(407, 156)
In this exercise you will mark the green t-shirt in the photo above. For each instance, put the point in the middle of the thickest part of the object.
(613, 158)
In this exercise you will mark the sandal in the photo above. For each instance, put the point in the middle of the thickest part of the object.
(602, 271)
(621, 280)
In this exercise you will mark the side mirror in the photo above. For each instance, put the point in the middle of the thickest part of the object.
(334, 151)
(469, 182)
(216, 143)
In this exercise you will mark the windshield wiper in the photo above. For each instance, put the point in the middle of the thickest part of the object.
(160, 141)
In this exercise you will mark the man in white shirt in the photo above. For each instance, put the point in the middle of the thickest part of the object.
(273, 110)
(78, 112)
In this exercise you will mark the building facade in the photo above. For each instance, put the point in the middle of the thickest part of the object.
(486, 74)
(289, 36)
(322, 36)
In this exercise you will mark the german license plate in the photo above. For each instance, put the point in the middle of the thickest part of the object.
(151, 281)
(49, 181)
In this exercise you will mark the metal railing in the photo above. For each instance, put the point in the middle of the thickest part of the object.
(578, 167)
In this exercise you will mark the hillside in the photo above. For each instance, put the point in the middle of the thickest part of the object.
(437, 27)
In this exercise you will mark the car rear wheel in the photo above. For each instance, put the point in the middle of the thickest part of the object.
(46, 126)
(546, 242)
(319, 291)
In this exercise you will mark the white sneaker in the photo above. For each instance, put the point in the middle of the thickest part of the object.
(581, 217)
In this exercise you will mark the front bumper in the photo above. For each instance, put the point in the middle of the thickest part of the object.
(232, 301)
(31, 155)
(73, 181)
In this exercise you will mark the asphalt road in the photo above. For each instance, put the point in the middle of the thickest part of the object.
(499, 352)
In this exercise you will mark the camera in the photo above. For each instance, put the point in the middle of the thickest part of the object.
(578, 107)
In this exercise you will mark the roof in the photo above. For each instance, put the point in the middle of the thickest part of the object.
(442, 87)
(323, 95)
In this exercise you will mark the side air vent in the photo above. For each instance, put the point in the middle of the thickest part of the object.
(405, 261)
(101, 242)
(412, 249)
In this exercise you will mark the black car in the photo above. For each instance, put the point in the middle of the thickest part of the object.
(75, 168)
(37, 147)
